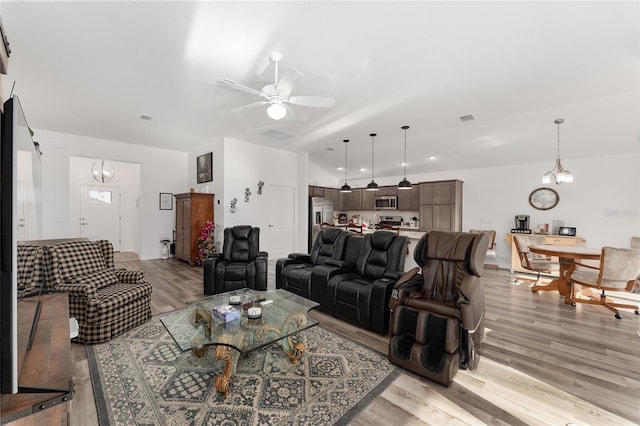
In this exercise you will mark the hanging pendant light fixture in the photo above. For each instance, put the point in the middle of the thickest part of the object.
(345, 187)
(558, 174)
(373, 186)
(404, 183)
(102, 172)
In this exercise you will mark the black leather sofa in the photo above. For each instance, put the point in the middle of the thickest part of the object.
(294, 272)
(353, 283)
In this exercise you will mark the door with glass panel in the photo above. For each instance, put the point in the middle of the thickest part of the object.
(100, 213)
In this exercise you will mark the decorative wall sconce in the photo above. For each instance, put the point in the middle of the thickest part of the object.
(102, 172)
(247, 194)
(233, 203)
(260, 185)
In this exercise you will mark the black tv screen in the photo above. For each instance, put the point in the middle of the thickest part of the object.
(20, 219)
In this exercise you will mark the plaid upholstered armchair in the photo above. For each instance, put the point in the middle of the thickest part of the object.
(30, 276)
(105, 301)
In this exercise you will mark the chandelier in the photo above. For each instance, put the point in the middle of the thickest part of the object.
(558, 174)
(102, 172)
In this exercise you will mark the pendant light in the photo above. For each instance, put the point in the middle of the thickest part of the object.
(558, 174)
(404, 183)
(373, 186)
(102, 172)
(345, 187)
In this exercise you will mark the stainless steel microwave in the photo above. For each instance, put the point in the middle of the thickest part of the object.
(386, 202)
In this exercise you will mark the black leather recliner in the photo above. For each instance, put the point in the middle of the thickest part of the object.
(361, 296)
(294, 273)
(438, 308)
(240, 265)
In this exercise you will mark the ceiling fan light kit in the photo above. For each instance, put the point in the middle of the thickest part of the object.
(276, 111)
(275, 96)
(404, 183)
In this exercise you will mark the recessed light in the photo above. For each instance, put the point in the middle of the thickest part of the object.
(362, 169)
(432, 157)
(340, 168)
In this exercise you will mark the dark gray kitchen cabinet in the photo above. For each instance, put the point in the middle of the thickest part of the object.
(441, 206)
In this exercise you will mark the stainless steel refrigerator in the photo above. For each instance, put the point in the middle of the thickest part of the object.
(320, 211)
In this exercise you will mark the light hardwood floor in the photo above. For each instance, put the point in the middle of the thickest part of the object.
(544, 363)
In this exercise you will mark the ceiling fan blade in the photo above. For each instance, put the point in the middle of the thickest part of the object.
(249, 106)
(313, 101)
(237, 86)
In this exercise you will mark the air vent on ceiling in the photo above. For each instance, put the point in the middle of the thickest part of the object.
(146, 117)
(467, 118)
(277, 134)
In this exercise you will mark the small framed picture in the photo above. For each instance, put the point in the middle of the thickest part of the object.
(166, 201)
(204, 168)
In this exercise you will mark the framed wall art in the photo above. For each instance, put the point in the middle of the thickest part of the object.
(204, 168)
(166, 201)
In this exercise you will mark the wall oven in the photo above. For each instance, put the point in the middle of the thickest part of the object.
(386, 202)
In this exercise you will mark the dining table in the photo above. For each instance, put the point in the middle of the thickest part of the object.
(566, 256)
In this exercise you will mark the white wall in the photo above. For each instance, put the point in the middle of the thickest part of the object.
(245, 164)
(320, 177)
(161, 170)
(602, 202)
(127, 179)
(216, 186)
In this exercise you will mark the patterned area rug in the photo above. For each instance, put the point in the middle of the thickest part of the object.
(142, 378)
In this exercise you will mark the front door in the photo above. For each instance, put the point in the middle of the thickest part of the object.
(100, 213)
(280, 228)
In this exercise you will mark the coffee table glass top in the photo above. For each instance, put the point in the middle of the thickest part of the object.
(195, 327)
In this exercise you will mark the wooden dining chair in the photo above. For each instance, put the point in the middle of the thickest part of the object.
(618, 271)
(391, 228)
(491, 251)
(356, 229)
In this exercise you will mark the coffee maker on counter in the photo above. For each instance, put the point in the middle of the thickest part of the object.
(522, 225)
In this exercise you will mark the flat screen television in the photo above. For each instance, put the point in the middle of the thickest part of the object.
(20, 219)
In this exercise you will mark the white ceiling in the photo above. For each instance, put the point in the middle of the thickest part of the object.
(92, 68)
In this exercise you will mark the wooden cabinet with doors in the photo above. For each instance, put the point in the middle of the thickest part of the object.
(368, 199)
(332, 195)
(192, 212)
(350, 200)
(316, 191)
(386, 190)
(441, 206)
(409, 199)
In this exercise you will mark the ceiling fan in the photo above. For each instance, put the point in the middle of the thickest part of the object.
(276, 97)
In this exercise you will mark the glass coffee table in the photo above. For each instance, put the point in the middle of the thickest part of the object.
(195, 328)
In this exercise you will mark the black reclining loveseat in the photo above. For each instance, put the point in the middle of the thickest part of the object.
(350, 276)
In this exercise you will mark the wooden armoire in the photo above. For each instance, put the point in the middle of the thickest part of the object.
(193, 209)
